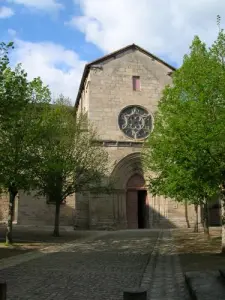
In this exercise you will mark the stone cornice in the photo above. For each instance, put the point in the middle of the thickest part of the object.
(114, 143)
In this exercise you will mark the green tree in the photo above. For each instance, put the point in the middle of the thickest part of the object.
(187, 146)
(19, 100)
(178, 182)
(70, 160)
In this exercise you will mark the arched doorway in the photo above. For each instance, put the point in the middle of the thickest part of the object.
(136, 203)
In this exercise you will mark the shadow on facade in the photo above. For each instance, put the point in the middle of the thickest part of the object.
(114, 216)
(157, 220)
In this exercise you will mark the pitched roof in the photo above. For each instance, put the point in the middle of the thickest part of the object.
(111, 55)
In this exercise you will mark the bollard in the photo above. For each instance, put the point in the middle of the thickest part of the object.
(135, 295)
(3, 289)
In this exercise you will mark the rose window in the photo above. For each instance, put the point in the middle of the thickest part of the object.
(135, 122)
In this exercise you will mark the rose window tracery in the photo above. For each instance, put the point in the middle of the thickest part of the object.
(135, 122)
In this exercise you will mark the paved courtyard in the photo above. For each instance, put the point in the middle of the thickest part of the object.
(99, 269)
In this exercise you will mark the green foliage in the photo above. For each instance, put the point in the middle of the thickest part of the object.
(185, 154)
(44, 146)
(69, 160)
(19, 100)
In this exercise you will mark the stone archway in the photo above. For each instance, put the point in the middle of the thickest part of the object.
(130, 187)
(125, 168)
(136, 202)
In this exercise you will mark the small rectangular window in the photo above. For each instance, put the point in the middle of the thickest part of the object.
(136, 83)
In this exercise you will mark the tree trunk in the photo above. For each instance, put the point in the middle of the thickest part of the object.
(57, 213)
(206, 218)
(186, 214)
(12, 195)
(196, 218)
(223, 220)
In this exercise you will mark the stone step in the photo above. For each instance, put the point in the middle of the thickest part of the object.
(205, 285)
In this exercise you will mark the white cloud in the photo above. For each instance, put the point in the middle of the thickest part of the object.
(11, 32)
(39, 4)
(58, 67)
(6, 12)
(163, 27)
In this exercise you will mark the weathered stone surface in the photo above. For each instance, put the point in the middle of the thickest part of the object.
(98, 269)
(163, 277)
(32, 210)
(101, 267)
(106, 92)
(205, 285)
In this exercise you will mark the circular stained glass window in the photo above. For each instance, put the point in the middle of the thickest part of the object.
(135, 122)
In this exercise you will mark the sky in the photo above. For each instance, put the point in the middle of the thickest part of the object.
(54, 39)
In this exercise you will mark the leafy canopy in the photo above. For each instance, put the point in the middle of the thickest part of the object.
(185, 154)
(19, 102)
(69, 160)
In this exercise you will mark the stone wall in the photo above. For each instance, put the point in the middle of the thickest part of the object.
(100, 211)
(35, 211)
(81, 217)
(4, 208)
(110, 90)
(108, 211)
(4, 200)
(176, 213)
(107, 91)
(168, 213)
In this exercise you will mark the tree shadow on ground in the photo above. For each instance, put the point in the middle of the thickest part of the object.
(40, 235)
(197, 252)
(115, 242)
(100, 269)
(26, 239)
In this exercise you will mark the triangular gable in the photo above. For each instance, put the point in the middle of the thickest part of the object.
(114, 55)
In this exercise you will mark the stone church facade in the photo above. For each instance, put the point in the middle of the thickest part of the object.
(120, 94)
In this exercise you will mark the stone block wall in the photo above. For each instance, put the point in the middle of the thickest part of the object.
(4, 208)
(4, 200)
(81, 216)
(176, 213)
(35, 211)
(100, 211)
(108, 211)
(107, 91)
(110, 90)
(167, 213)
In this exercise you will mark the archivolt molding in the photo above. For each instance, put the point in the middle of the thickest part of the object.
(125, 168)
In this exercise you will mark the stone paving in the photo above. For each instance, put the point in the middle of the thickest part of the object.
(163, 278)
(18, 259)
(100, 268)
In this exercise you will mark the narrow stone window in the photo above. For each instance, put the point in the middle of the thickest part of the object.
(136, 83)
